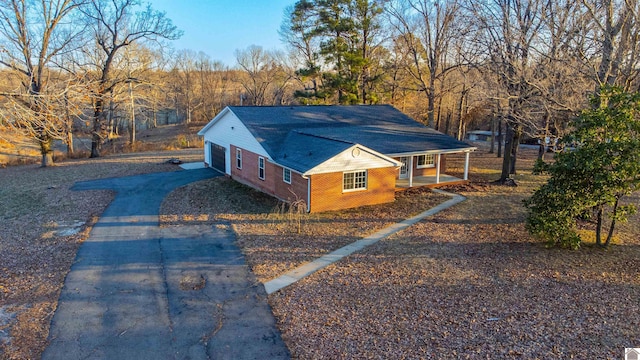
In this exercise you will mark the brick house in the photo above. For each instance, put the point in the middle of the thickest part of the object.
(330, 157)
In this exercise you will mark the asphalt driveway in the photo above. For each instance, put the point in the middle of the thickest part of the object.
(138, 291)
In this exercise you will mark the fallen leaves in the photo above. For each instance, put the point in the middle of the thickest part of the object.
(37, 247)
(468, 283)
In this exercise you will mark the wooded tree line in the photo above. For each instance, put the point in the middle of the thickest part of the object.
(525, 66)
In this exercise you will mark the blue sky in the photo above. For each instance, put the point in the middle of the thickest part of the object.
(219, 27)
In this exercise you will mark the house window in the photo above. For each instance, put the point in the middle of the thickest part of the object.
(355, 180)
(286, 176)
(239, 158)
(261, 168)
(426, 161)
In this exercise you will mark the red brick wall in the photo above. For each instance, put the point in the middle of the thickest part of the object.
(295, 191)
(273, 183)
(427, 171)
(327, 194)
(249, 172)
(326, 189)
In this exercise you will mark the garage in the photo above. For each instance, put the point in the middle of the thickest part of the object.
(218, 157)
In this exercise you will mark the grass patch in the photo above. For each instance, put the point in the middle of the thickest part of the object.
(588, 237)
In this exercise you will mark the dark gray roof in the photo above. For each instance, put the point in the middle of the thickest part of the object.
(303, 152)
(302, 137)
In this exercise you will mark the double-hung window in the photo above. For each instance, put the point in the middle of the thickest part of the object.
(286, 176)
(261, 168)
(354, 180)
(239, 158)
(425, 161)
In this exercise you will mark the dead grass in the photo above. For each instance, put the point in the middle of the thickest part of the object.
(270, 239)
(467, 283)
(36, 207)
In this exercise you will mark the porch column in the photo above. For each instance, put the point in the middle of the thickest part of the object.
(466, 166)
(437, 168)
(411, 171)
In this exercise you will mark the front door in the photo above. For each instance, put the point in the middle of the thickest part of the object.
(404, 170)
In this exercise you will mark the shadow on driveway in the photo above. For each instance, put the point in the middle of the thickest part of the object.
(137, 291)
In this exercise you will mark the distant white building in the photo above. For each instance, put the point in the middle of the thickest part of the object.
(479, 135)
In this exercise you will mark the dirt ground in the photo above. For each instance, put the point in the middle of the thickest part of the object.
(42, 223)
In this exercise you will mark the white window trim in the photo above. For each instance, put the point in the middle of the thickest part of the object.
(284, 178)
(261, 167)
(432, 165)
(239, 158)
(366, 181)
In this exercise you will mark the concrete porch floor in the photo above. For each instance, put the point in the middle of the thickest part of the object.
(429, 181)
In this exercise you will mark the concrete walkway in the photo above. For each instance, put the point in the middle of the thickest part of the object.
(137, 291)
(328, 259)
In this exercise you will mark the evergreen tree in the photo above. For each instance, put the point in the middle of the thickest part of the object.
(589, 182)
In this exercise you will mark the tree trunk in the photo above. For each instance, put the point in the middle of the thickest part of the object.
(431, 100)
(132, 134)
(613, 223)
(69, 143)
(506, 160)
(541, 150)
(499, 137)
(447, 123)
(98, 125)
(155, 114)
(599, 226)
(439, 118)
(515, 146)
(47, 152)
(463, 95)
(69, 127)
(493, 135)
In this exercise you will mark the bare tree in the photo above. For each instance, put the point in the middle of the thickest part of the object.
(33, 34)
(510, 32)
(613, 53)
(186, 71)
(427, 30)
(265, 78)
(117, 24)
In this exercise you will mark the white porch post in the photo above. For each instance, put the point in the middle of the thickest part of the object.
(437, 168)
(411, 171)
(466, 165)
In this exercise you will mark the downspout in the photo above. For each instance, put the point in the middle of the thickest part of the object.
(466, 165)
(438, 168)
(308, 192)
(411, 171)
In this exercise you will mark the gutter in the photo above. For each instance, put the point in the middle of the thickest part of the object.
(447, 151)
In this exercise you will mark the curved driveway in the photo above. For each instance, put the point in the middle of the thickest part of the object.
(137, 291)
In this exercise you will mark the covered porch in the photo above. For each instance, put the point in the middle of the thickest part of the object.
(428, 181)
(427, 169)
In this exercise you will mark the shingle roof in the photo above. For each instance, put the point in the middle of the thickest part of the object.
(301, 137)
(303, 152)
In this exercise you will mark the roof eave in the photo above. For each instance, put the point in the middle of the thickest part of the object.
(213, 121)
(384, 157)
(438, 151)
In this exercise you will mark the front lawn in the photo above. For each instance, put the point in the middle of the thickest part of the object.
(466, 283)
